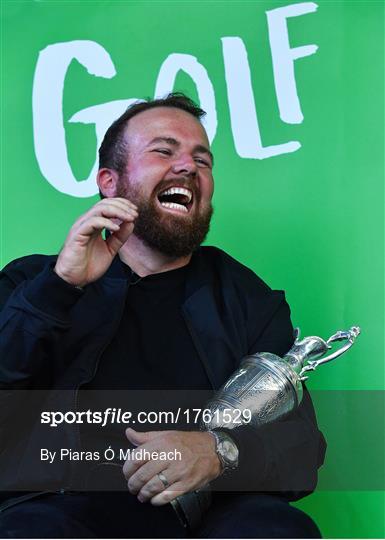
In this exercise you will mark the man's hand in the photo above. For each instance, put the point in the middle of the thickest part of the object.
(86, 256)
(199, 464)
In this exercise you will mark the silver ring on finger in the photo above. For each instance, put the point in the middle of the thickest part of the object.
(163, 479)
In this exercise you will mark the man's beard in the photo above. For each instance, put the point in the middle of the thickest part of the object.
(168, 233)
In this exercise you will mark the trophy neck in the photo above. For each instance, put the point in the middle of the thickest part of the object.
(305, 350)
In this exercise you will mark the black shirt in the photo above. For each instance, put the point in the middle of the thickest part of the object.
(151, 355)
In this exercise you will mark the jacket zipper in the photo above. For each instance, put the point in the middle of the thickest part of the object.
(76, 394)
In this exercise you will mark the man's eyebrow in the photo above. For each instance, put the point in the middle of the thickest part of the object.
(168, 140)
(173, 142)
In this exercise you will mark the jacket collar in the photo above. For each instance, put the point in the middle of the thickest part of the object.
(197, 275)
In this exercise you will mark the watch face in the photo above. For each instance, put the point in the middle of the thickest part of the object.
(229, 451)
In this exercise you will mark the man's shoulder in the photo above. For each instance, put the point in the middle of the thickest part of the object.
(27, 267)
(240, 274)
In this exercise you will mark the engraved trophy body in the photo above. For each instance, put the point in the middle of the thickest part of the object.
(270, 386)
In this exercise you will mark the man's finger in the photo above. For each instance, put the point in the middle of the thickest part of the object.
(141, 437)
(123, 201)
(144, 474)
(117, 201)
(157, 484)
(132, 465)
(96, 224)
(172, 492)
(107, 208)
(112, 211)
(115, 241)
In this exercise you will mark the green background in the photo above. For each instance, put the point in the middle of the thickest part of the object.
(315, 215)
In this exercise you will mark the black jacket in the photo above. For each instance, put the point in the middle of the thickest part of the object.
(52, 336)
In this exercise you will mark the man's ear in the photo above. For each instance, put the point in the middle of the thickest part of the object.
(107, 180)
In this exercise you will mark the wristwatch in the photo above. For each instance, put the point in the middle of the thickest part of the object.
(226, 449)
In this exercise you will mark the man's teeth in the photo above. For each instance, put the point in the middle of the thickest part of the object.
(175, 206)
(179, 191)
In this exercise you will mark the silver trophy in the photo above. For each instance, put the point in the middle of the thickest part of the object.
(263, 389)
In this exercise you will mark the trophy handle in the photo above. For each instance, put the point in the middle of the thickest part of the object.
(343, 335)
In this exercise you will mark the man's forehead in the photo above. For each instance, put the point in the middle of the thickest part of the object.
(164, 121)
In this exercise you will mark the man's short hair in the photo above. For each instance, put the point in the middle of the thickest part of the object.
(113, 150)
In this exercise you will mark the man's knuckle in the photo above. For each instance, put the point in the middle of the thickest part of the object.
(185, 469)
(141, 476)
(132, 484)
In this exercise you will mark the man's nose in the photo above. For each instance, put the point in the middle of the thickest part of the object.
(184, 165)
